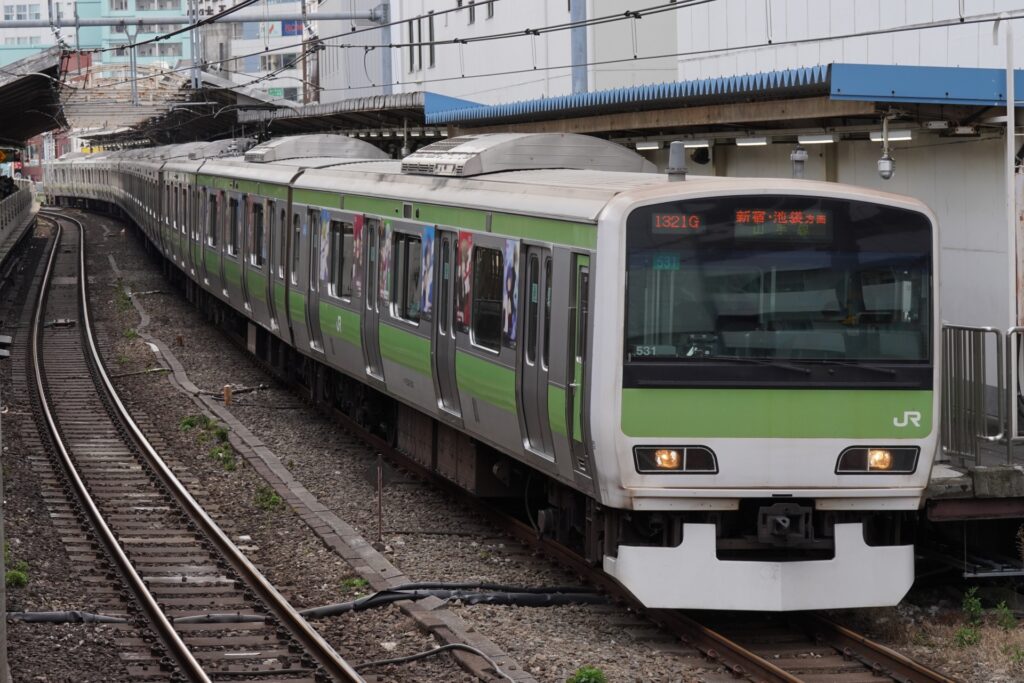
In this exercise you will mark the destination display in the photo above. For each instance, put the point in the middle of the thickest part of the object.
(812, 225)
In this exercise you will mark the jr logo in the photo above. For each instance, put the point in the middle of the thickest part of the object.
(910, 417)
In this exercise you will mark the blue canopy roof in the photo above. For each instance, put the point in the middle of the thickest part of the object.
(865, 82)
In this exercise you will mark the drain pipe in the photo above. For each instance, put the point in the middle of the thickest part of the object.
(578, 45)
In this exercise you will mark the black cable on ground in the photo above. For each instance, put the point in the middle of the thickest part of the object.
(383, 598)
(65, 617)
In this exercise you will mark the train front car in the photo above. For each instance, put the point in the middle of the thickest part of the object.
(776, 390)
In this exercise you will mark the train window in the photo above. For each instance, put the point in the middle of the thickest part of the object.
(547, 313)
(488, 268)
(296, 241)
(211, 220)
(532, 307)
(445, 293)
(405, 279)
(341, 256)
(184, 209)
(281, 251)
(583, 297)
(258, 252)
(233, 218)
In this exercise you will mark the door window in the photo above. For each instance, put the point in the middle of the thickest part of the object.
(488, 267)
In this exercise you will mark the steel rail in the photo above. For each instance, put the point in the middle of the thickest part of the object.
(310, 639)
(165, 631)
(877, 657)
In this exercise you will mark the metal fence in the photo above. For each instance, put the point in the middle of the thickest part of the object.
(973, 411)
(15, 207)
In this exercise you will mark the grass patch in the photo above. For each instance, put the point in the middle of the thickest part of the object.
(131, 333)
(354, 583)
(225, 456)
(267, 500)
(17, 575)
(588, 674)
(190, 422)
(123, 299)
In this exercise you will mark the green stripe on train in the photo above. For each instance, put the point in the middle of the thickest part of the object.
(340, 323)
(776, 413)
(279, 303)
(232, 271)
(405, 348)
(556, 409)
(256, 284)
(212, 262)
(486, 380)
(296, 307)
(330, 200)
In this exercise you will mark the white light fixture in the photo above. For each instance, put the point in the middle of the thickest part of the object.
(821, 139)
(894, 135)
(414, 133)
(373, 133)
(695, 144)
(444, 132)
(648, 145)
(385, 134)
(752, 142)
(429, 133)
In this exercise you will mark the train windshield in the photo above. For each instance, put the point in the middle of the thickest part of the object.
(777, 278)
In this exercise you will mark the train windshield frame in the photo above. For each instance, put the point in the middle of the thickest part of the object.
(778, 290)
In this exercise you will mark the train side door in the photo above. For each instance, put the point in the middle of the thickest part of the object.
(579, 312)
(445, 243)
(317, 225)
(374, 238)
(534, 352)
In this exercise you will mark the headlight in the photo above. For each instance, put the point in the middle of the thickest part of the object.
(675, 460)
(878, 460)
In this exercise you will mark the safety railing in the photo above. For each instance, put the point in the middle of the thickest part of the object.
(1014, 398)
(972, 413)
(15, 206)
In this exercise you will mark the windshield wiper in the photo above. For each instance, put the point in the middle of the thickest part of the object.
(861, 366)
(761, 361)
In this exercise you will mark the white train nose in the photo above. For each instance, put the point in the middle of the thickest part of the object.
(691, 576)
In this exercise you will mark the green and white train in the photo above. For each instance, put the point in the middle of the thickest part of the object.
(724, 390)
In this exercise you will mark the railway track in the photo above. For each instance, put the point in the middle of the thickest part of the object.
(177, 565)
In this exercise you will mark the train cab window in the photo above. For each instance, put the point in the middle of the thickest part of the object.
(234, 216)
(296, 242)
(488, 267)
(258, 253)
(211, 220)
(341, 259)
(546, 348)
(405, 277)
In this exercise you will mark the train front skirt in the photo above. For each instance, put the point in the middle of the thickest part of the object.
(690, 575)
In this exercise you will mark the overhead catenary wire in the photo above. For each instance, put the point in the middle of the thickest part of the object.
(921, 26)
(654, 9)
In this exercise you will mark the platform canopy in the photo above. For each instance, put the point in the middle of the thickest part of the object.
(30, 91)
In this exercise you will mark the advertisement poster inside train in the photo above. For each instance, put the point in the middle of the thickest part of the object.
(465, 281)
(510, 294)
(427, 268)
(357, 257)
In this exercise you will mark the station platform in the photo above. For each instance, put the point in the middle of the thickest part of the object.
(992, 490)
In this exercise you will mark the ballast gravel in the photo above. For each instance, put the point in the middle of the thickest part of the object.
(428, 536)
